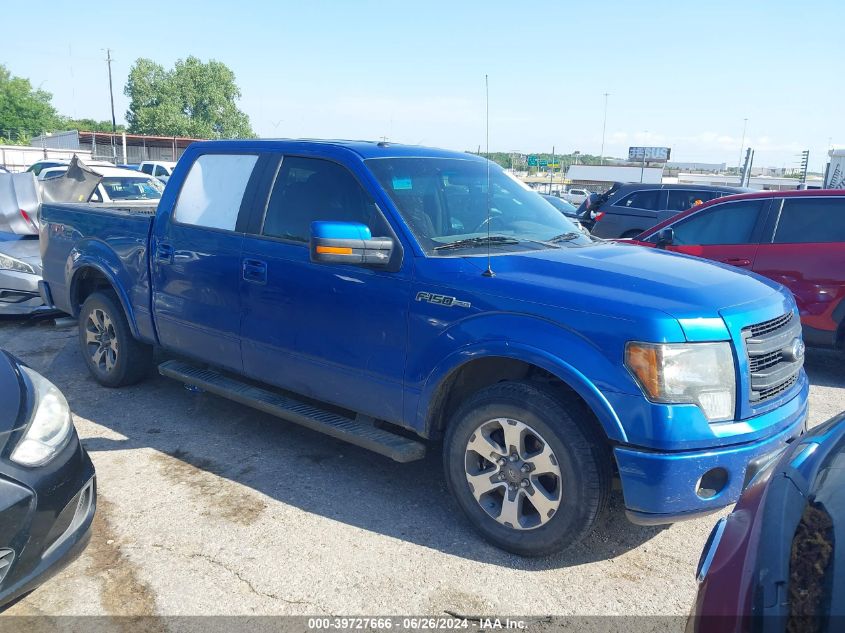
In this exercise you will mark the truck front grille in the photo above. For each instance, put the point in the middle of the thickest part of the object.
(775, 356)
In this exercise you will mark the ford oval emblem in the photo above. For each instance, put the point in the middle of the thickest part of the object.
(795, 351)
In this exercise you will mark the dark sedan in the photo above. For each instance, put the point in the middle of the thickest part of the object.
(777, 562)
(47, 484)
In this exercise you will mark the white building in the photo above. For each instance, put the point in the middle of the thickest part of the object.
(599, 178)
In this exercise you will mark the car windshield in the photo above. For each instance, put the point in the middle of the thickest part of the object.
(445, 203)
(562, 205)
(132, 188)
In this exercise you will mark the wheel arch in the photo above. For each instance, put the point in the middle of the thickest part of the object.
(91, 276)
(470, 370)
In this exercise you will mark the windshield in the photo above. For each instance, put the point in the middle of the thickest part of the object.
(129, 188)
(562, 205)
(444, 201)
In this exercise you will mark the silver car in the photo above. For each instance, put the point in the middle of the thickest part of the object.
(20, 271)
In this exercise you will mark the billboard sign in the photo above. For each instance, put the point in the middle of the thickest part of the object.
(649, 154)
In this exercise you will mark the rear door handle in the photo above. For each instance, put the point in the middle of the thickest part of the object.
(164, 253)
(254, 271)
(738, 261)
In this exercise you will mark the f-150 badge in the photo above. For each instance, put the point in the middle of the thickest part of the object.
(443, 300)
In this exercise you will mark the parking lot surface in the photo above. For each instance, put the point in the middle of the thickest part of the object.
(207, 507)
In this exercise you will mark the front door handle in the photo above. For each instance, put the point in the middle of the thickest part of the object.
(164, 253)
(254, 271)
(739, 261)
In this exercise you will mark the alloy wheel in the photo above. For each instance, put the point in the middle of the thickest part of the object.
(101, 340)
(513, 473)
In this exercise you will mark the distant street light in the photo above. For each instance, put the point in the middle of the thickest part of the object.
(604, 128)
(742, 144)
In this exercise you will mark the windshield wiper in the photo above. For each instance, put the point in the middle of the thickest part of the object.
(477, 241)
(564, 237)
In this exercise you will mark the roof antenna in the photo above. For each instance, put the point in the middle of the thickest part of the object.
(489, 272)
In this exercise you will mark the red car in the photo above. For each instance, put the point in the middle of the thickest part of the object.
(796, 238)
(776, 564)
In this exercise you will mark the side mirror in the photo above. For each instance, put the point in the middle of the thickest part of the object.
(665, 237)
(348, 243)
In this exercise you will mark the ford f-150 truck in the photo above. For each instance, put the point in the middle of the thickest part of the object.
(393, 296)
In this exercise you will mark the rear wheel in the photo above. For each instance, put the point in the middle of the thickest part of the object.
(112, 354)
(526, 468)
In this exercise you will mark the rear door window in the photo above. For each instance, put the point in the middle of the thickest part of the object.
(648, 199)
(683, 199)
(213, 190)
(811, 220)
(727, 223)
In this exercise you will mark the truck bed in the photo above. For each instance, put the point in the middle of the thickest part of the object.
(114, 239)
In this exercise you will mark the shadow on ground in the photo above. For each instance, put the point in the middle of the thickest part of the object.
(299, 467)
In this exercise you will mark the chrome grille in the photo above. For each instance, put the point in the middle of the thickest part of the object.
(772, 361)
(757, 363)
(770, 326)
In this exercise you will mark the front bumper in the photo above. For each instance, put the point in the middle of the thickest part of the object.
(46, 522)
(19, 293)
(663, 487)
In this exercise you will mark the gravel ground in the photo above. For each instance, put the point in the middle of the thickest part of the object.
(207, 507)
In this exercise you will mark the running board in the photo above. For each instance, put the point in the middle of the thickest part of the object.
(396, 447)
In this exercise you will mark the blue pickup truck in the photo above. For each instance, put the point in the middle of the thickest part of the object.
(396, 296)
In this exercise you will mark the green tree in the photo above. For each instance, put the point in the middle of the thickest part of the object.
(193, 99)
(23, 111)
(88, 125)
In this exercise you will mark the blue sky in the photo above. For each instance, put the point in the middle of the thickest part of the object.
(679, 74)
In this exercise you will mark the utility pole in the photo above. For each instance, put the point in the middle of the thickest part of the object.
(111, 97)
(742, 143)
(604, 128)
(745, 175)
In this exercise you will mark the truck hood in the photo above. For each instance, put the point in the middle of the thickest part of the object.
(627, 279)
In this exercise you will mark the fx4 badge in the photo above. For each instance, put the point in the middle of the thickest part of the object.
(443, 300)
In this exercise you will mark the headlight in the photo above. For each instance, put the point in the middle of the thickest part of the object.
(10, 263)
(50, 426)
(696, 373)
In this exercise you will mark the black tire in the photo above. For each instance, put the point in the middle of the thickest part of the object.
(130, 361)
(629, 234)
(580, 452)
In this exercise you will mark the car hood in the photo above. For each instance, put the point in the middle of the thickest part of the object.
(25, 249)
(10, 395)
(617, 279)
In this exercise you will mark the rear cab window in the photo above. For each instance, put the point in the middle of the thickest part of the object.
(213, 190)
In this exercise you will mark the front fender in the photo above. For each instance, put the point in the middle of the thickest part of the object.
(582, 358)
(92, 254)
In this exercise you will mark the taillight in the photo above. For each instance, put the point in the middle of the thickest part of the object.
(599, 216)
(28, 219)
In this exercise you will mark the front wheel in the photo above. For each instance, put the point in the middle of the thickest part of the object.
(526, 467)
(112, 354)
